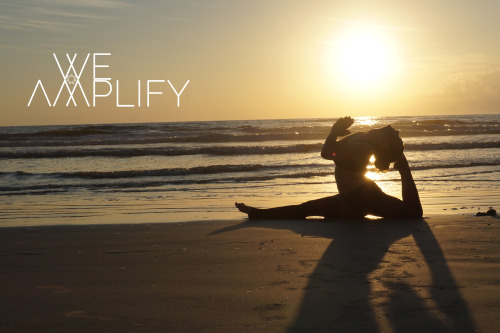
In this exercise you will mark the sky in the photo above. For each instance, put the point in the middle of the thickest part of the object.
(246, 59)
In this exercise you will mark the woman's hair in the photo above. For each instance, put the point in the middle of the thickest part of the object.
(382, 164)
(389, 149)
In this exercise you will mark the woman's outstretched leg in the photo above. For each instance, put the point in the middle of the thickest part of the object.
(285, 212)
(243, 208)
(329, 207)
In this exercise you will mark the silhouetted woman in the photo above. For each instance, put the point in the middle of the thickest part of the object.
(358, 195)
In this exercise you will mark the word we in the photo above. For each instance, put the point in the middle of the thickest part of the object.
(71, 77)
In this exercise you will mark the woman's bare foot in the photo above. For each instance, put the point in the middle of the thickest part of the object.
(243, 208)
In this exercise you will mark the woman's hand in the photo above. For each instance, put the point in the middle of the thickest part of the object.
(340, 128)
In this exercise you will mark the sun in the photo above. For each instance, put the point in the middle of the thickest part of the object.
(365, 60)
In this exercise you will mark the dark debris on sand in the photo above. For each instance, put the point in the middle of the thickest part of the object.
(490, 212)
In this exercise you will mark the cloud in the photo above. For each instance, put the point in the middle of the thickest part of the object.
(72, 14)
(38, 25)
(55, 15)
(474, 86)
(89, 3)
(201, 3)
(469, 92)
(367, 24)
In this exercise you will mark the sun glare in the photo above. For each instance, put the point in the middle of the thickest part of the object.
(365, 60)
(366, 121)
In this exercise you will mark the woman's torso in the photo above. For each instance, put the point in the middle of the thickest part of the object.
(350, 173)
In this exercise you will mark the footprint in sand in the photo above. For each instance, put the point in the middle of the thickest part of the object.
(270, 311)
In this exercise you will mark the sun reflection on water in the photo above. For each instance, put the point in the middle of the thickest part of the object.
(366, 121)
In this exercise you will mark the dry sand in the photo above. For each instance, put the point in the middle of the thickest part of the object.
(441, 274)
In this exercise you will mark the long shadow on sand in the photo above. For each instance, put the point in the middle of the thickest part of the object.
(340, 294)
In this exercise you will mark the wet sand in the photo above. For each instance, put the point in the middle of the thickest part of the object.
(441, 274)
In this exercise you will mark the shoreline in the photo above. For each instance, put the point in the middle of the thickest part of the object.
(52, 210)
(446, 214)
(437, 274)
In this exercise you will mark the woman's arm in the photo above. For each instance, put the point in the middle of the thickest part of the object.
(392, 207)
(340, 128)
(409, 190)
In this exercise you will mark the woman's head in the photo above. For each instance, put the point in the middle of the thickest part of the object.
(388, 146)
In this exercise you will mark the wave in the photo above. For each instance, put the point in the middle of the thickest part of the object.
(149, 151)
(451, 145)
(454, 166)
(167, 184)
(234, 131)
(72, 132)
(76, 139)
(218, 150)
(151, 138)
(169, 172)
(141, 184)
(252, 172)
(202, 170)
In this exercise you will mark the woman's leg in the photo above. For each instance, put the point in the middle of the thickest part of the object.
(410, 206)
(330, 207)
(380, 204)
(368, 199)
(384, 205)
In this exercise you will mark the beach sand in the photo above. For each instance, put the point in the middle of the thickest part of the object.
(441, 274)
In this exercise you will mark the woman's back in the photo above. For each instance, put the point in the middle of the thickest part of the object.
(351, 157)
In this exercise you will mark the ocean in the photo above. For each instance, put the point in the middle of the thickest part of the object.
(187, 171)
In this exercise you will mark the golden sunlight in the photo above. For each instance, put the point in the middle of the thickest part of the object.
(365, 60)
(366, 121)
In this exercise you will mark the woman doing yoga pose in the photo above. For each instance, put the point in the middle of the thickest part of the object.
(358, 195)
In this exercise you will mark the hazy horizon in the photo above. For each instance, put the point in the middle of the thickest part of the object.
(256, 119)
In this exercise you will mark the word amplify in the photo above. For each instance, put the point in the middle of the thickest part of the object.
(74, 80)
